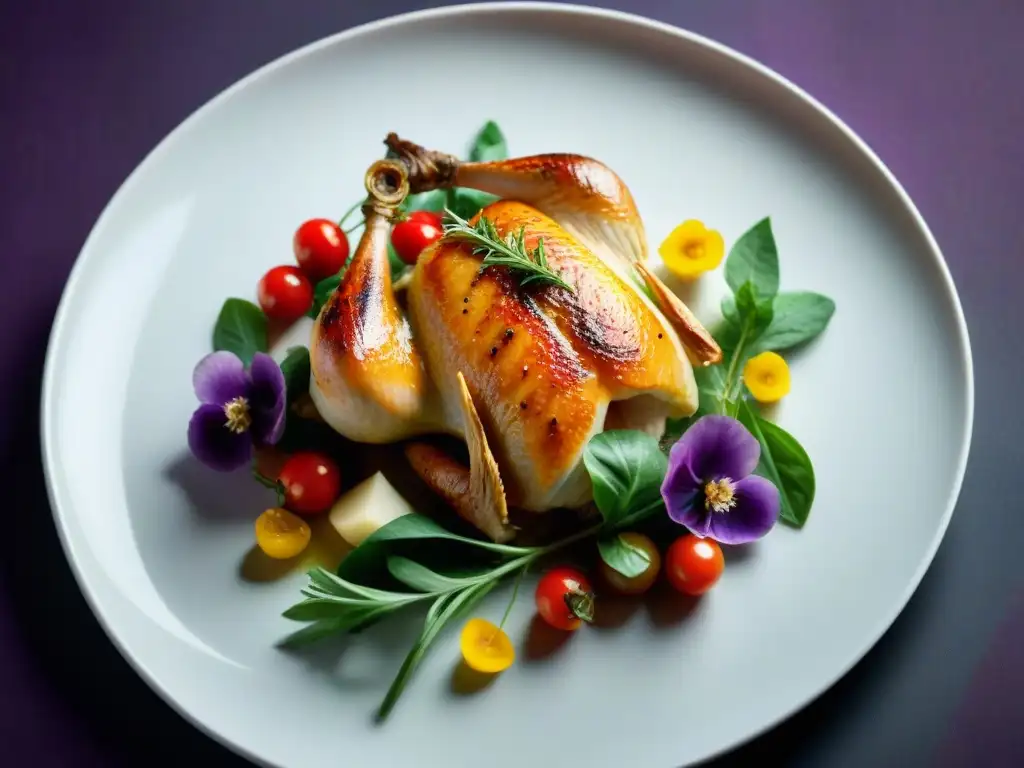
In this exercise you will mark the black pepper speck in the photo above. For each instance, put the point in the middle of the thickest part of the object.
(522, 405)
(494, 351)
(661, 335)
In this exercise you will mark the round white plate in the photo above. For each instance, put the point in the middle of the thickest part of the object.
(883, 402)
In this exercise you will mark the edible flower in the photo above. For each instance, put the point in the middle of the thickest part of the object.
(239, 409)
(692, 249)
(709, 487)
(767, 377)
(485, 647)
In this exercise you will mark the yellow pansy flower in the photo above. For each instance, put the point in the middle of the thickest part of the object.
(767, 377)
(692, 249)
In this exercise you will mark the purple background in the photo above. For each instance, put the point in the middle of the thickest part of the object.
(934, 86)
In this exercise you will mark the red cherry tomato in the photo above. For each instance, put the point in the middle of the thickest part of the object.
(285, 293)
(311, 482)
(693, 564)
(634, 585)
(564, 598)
(411, 236)
(321, 248)
(428, 217)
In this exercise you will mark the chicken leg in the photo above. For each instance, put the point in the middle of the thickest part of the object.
(368, 380)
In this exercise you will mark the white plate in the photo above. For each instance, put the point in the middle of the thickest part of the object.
(883, 403)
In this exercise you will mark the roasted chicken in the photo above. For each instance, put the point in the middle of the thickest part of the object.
(526, 375)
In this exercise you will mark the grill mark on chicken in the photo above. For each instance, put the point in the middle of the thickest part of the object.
(347, 324)
(597, 316)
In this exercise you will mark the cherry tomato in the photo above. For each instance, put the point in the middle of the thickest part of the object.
(428, 217)
(634, 585)
(311, 482)
(321, 248)
(411, 236)
(693, 564)
(285, 293)
(564, 598)
(281, 535)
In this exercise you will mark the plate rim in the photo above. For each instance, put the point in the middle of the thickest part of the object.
(58, 332)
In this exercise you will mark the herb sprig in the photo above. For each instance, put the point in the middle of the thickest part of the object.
(626, 468)
(509, 251)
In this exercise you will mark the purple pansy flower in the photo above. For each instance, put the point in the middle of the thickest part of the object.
(709, 489)
(240, 408)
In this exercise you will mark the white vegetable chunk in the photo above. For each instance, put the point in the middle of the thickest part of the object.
(370, 505)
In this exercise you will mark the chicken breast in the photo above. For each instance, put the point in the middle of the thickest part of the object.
(544, 366)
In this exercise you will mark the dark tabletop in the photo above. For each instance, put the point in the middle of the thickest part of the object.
(934, 86)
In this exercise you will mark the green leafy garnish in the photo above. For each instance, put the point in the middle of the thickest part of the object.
(295, 368)
(757, 318)
(241, 328)
(628, 559)
(467, 203)
(754, 258)
(510, 252)
(431, 200)
(337, 603)
(322, 292)
(797, 318)
(489, 144)
(626, 468)
(445, 608)
(785, 463)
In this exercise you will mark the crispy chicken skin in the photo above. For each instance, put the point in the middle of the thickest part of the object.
(526, 375)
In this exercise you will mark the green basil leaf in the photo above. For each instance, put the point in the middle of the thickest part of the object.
(747, 318)
(373, 550)
(621, 556)
(797, 318)
(489, 144)
(755, 258)
(467, 203)
(241, 328)
(432, 200)
(729, 311)
(785, 463)
(627, 468)
(295, 368)
(752, 312)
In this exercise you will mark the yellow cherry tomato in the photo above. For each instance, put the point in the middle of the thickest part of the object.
(485, 647)
(634, 585)
(280, 534)
(767, 377)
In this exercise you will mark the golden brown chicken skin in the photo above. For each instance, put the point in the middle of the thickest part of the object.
(542, 363)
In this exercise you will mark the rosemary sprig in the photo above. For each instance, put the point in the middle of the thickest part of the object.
(511, 251)
(626, 467)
